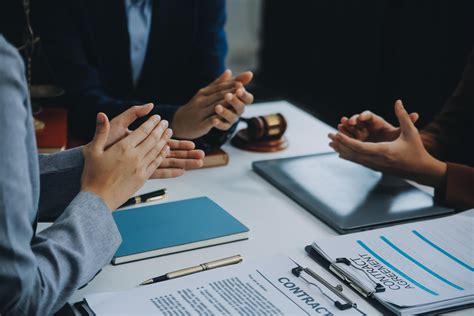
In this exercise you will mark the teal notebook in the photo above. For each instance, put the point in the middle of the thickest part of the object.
(162, 229)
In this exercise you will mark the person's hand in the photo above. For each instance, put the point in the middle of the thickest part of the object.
(219, 105)
(117, 172)
(405, 156)
(370, 127)
(119, 124)
(182, 157)
(228, 112)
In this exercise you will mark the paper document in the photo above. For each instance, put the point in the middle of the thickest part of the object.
(419, 263)
(267, 288)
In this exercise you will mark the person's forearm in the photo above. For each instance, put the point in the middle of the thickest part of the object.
(458, 190)
(431, 143)
(60, 172)
(433, 174)
(453, 183)
(82, 241)
(61, 161)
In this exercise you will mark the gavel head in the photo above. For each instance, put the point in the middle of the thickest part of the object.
(268, 127)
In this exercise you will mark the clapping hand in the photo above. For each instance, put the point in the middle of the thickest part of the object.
(115, 172)
(369, 140)
(219, 105)
(182, 155)
(370, 127)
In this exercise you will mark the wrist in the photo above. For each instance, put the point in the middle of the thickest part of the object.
(104, 202)
(184, 124)
(102, 196)
(176, 125)
(435, 173)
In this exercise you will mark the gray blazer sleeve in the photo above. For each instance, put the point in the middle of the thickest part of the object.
(38, 273)
(60, 172)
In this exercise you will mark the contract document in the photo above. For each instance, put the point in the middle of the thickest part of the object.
(262, 288)
(423, 266)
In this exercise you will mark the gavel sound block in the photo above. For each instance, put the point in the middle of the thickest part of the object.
(263, 134)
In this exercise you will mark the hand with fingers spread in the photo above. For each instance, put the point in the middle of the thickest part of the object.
(370, 127)
(219, 105)
(393, 150)
(117, 172)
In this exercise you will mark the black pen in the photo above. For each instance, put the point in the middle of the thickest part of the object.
(202, 267)
(147, 197)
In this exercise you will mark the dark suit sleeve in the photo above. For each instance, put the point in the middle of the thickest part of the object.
(61, 25)
(449, 137)
(211, 42)
(209, 58)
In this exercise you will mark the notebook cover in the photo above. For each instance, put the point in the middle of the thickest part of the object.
(347, 196)
(172, 224)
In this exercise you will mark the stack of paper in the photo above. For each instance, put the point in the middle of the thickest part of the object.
(424, 266)
(265, 288)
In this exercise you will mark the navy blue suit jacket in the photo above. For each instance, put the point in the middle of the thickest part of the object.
(87, 45)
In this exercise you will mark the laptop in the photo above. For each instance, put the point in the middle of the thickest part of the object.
(347, 196)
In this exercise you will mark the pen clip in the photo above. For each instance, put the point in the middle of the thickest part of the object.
(337, 290)
(353, 282)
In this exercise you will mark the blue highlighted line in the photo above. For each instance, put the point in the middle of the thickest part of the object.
(421, 286)
(447, 254)
(419, 264)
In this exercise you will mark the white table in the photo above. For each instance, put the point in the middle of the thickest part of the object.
(277, 224)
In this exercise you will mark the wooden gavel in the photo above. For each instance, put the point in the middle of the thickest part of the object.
(264, 128)
(263, 134)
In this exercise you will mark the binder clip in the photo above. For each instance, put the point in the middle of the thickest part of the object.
(342, 304)
(353, 282)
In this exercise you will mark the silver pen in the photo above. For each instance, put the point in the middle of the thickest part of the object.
(202, 267)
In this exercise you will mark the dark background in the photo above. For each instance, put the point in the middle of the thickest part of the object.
(343, 56)
(339, 57)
